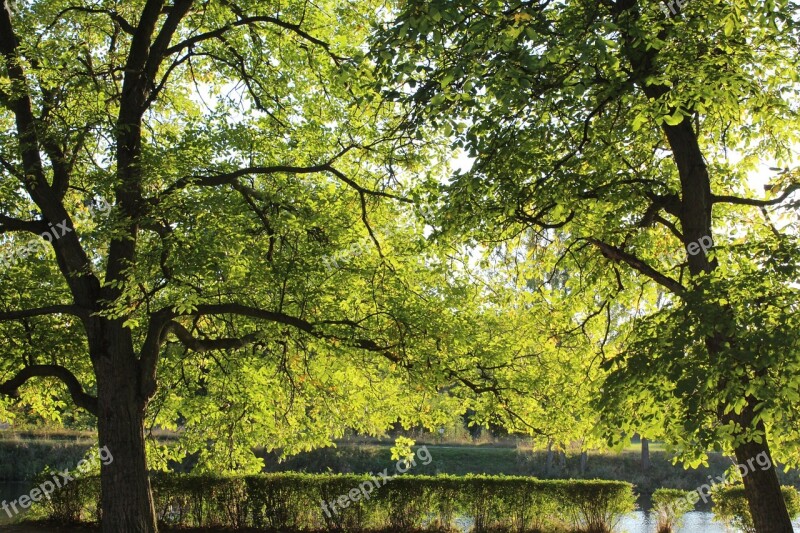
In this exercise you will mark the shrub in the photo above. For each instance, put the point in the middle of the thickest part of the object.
(482, 498)
(596, 506)
(669, 506)
(279, 501)
(355, 516)
(72, 503)
(730, 506)
(204, 500)
(407, 503)
(291, 502)
(447, 502)
(531, 505)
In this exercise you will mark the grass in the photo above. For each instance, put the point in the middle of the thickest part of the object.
(461, 460)
(363, 459)
(21, 459)
(636, 447)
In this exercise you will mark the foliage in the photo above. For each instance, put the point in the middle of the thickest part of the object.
(596, 506)
(72, 503)
(730, 506)
(271, 229)
(291, 502)
(599, 136)
(669, 506)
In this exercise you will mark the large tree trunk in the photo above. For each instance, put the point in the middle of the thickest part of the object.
(762, 488)
(127, 503)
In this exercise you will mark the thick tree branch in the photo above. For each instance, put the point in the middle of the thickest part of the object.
(616, 254)
(140, 45)
(20, 104)
(79, 396)
(177, 12)
(139, 89)
(313, 329)
(72, 259)
(162, 323)
(230, 178)
(8, 224)
(57, 309)
(205, 345)
(755, 202)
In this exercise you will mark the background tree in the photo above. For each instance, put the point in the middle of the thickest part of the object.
(633, 132)
(209, 226)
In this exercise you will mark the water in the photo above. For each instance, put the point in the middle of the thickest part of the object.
(642, 522)
(694, 522)
(10, 491)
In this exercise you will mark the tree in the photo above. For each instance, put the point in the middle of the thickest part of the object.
(194, 210)
(613, 123)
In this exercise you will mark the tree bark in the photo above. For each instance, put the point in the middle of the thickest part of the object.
(548, 463)
(762, 488)
(126, 501)
(645, 454)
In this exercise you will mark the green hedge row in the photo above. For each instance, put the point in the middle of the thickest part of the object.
(293, 502)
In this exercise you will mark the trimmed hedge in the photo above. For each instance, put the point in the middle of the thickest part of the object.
(72, 503)
(293, 502)
(596, 507)
(730, 506)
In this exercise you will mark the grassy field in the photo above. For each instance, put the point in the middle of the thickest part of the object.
(461, 460)
(22, 457)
